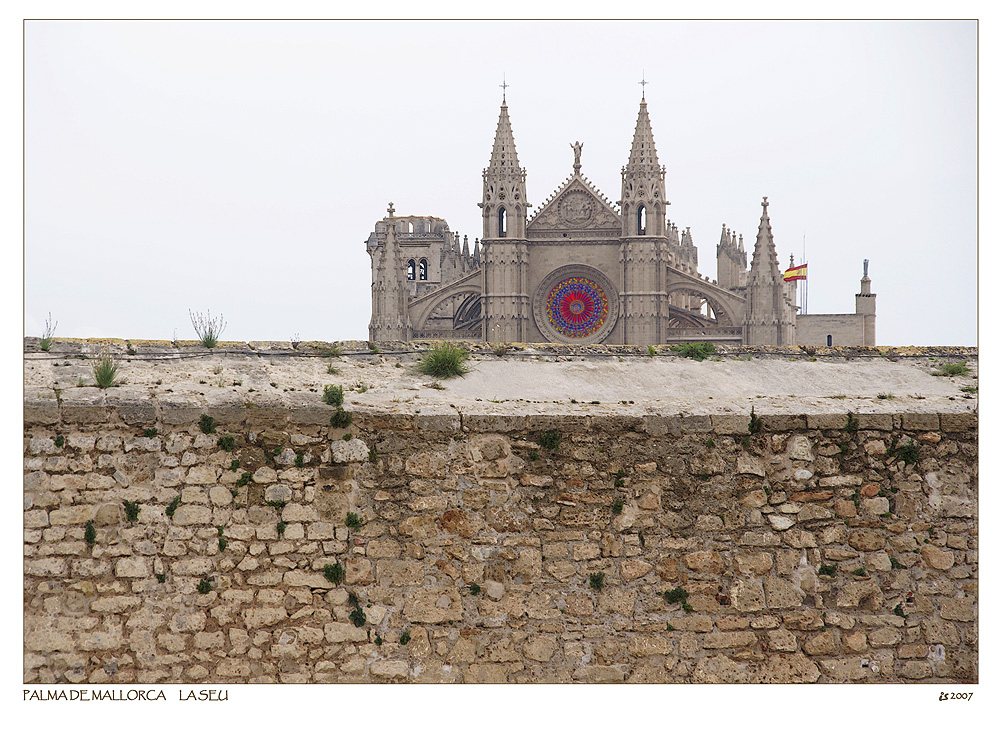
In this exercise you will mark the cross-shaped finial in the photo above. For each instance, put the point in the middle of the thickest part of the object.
(643, 83)
(765, 202)
(504, 86)
(391, 209)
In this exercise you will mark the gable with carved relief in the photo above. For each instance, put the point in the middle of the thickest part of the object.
(577, 207)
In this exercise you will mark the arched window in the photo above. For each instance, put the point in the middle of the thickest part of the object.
(411, 270)
(829, 340)
(641, 220)
(502, 222)
(423, 270)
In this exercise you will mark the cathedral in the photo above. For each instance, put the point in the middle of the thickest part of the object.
(582, 269)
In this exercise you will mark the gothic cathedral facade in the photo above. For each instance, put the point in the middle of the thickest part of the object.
(585, 270)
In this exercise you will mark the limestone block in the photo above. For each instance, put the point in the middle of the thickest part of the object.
(866, 540)
(852, 594)
(599, 674)
(255, 617)
(634, 568)
(961, 609)
(755, 563)
(844, 670)
(884, 637)
(821, 643)
(788, 669)
(782, 594)
(132, 568)
(937, 558)
(192, 515)
(400, 573)
(720, 640)
(720, 669)
(692, 623)
(617, 601)
(433, 605)
(799, 448)
(749, 465)
(782, 640)
(704, 562)
(391, 669)
(540, 647)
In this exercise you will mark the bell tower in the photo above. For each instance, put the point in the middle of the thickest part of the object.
(504, 245)
(644, 239)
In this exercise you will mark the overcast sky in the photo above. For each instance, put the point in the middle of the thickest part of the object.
(238, 167)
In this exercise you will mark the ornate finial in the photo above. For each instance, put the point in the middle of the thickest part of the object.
(791, 260)
(504, 86)
(866, 267)
(577, 149)
(643, 83)
(765, 203)
(391, 210)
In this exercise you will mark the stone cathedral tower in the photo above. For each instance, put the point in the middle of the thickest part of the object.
(584, 270)
(770, 318)
(644, 237)
(505, 215)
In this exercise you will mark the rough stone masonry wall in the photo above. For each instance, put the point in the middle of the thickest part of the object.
(810, 552)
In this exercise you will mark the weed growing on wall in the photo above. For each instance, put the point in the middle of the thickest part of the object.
(172, 508)
(549, 439)
(756, 423)
(209, 329)
(953, 369)
(161, 578)
(333, 395)
(207, 424)
(60, 441)
(404, 636)
(149, 433)
(334, 572)
(617, 506)
(227, 443)
(90, 533)
(50, 329)
(474, 589)
(852, 424)
(695, 351)
(300, 459)
(131, 510)
(677, 595)
(281, 528)
(340, 419)
(353, 521)
(244, 479)
(909, 453)
(597, 581)
(827, 570)
(106, 369)
(444, 361)
(204, 586)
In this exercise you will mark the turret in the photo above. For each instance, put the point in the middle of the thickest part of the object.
(770, 318)
(505, 203)
(643, 203)
(506, 306)
(864, 304)
(390, 317)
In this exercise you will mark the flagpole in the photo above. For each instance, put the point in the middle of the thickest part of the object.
(805, 289)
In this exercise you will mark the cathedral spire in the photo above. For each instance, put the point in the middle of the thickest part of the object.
(643, 156)
(504, 153)
(770, 318)
(643, 187)
(505, 205)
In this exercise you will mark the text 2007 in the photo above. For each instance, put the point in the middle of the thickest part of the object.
(955, 697)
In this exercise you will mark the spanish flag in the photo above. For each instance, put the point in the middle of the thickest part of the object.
(795, 273)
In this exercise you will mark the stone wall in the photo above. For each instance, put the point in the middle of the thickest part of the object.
(846, 329)
(822, 548)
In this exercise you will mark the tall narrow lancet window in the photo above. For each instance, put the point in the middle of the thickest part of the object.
(502, 222)
(829, 340)
(411, 270)
(423, 270)
(641, 220)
